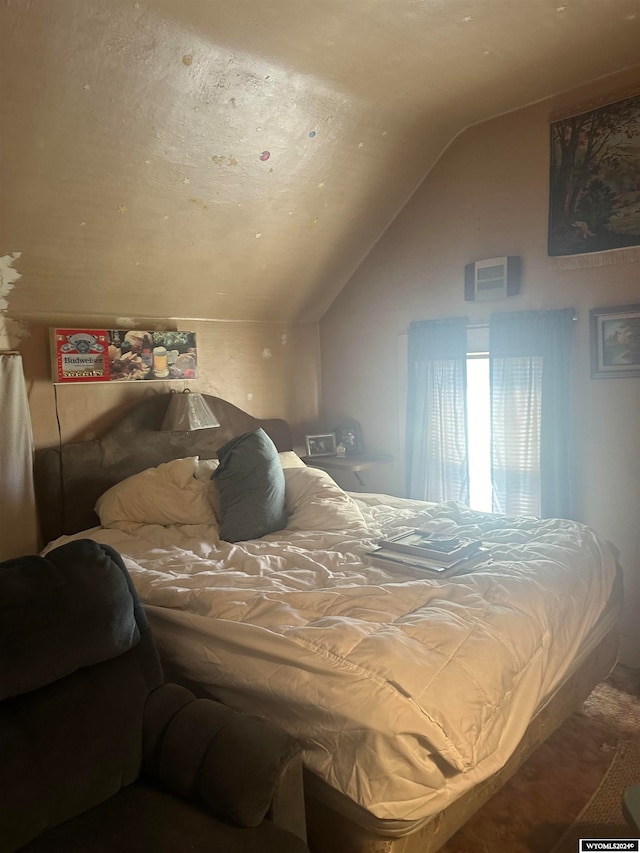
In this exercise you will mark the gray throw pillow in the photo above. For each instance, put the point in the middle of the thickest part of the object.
(250, 483)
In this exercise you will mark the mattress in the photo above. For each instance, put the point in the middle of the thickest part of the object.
(404, 691)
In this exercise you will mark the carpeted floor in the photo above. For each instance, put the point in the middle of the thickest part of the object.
(538, 806)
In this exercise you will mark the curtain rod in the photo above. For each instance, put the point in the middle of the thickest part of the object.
(9, 352)
(485, 325)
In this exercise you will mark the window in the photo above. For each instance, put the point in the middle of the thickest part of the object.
(487, 412)
(479, 437)
(504, 475)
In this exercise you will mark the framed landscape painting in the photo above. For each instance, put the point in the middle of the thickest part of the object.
(615, 341)
(594, 195)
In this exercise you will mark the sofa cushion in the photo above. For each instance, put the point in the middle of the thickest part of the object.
(78, 590)
(140, 818)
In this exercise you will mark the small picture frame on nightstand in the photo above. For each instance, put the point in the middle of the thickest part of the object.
(349, 435)
(321, 445)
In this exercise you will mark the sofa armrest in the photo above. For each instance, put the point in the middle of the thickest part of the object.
(287, 804)
(239, 766)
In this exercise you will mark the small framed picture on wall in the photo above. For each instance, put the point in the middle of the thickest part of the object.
(615, 341)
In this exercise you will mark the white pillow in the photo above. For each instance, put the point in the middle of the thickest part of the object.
(168, 494)
(316, 502)
(290, 459)
(204, 471)
(205, 468)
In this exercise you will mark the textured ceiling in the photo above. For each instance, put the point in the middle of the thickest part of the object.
(236, 159)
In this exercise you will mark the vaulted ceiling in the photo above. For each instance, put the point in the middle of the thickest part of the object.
(236, 159)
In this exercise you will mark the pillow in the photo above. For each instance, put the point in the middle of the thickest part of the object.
(205, 468)
(168, 494)
(204, 471)
(290, 459)
(316, 502)
(250, 482)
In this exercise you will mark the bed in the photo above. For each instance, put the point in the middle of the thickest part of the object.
(414, 699)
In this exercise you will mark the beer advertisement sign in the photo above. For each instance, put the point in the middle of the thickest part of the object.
(122, 355)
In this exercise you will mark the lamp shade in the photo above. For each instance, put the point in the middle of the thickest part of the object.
(186, 412)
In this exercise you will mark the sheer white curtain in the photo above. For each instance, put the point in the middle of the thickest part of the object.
(437, 456)
(516, 385)
(18, 521)
(530, 391)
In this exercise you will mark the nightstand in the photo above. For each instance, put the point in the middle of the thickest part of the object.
(354, 464)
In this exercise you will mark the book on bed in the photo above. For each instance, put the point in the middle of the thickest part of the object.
(419, 543)
(388, 559)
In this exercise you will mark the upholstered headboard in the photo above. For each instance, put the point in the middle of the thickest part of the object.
(69, 479)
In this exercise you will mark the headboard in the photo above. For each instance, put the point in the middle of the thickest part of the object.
(69, 479)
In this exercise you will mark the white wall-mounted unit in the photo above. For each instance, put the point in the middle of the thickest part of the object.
(494, 278)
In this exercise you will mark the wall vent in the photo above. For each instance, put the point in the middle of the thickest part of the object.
(494, 278)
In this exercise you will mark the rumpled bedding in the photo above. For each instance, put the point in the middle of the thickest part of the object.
(405, 691)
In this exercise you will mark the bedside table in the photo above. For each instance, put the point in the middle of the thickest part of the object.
(354, 464)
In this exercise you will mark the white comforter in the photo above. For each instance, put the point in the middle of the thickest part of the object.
(405, 691)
